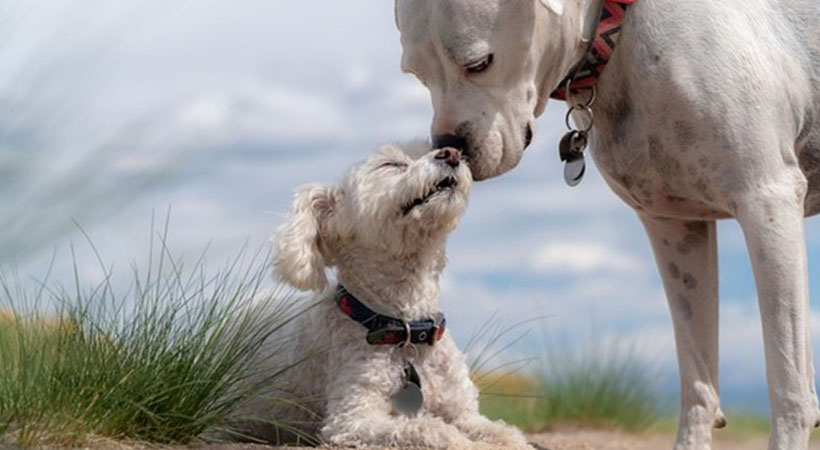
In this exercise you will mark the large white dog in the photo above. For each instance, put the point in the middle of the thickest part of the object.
(708, 109)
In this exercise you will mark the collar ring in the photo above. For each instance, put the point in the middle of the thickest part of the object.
(592, 97)
(407, 332)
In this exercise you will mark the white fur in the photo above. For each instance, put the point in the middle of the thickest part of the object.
(708, 109)
(391, 261)
(557, 6)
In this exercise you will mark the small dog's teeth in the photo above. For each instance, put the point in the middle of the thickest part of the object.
(446, 183)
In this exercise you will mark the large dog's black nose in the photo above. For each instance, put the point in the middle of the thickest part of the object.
(527, 136)
(450, 140)
(449, 155)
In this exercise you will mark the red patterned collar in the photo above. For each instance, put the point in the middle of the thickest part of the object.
(586, 73)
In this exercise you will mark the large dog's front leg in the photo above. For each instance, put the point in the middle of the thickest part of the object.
(686, 254)
(772, 221)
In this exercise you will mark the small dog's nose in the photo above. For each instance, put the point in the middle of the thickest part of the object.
(449, 155)
(450, 140)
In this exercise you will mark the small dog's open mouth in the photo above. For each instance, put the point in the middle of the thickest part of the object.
(446, 184)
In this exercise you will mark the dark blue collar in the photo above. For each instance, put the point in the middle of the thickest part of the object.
(386, 330)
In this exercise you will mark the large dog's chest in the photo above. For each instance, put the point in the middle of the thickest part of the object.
(663, 163)
(689, 120)
(674, 166)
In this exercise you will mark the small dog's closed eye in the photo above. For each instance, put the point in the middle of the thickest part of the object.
(386, 371)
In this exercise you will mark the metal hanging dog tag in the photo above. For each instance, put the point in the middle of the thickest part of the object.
(409, 399)
(571, 151)
(574, 171)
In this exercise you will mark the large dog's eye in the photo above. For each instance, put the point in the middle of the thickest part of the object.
(479, 66)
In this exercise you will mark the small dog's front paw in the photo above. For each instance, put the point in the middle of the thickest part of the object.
(456, 442)
(424, 432)
(496, 433)
(505, 446)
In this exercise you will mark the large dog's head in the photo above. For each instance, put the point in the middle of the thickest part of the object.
(490, 66)
(395, 204)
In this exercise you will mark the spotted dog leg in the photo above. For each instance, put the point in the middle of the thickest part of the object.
(686, 254)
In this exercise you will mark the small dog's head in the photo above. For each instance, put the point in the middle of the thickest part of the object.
(395, 203)
(490, 66)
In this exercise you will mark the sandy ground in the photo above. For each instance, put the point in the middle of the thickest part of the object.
(608, 440)
(555, 440)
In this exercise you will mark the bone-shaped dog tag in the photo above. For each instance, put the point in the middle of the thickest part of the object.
(571, 151)
(409, 399)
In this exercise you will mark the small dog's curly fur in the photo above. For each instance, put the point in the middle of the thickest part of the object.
(383, 229)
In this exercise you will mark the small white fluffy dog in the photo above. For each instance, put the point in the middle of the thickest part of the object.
(384, 229)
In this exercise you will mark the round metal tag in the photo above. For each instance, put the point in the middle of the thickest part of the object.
(574, 171)
(408, 400)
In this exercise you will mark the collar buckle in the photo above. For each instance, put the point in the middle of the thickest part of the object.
(433, 338)
(437, 329)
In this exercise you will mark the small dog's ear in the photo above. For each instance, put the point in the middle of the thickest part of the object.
(300, 258)
(556, 6)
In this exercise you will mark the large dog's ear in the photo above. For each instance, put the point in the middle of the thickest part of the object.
(300, 257)
(556, 6)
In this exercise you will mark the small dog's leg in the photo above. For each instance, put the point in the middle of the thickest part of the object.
(686, 254)
(461, 407)
(359, 414)
(772, 221)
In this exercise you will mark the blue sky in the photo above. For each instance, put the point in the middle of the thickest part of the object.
(221, 109)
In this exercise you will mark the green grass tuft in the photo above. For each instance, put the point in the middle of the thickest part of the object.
(161, 361)
(609, 388)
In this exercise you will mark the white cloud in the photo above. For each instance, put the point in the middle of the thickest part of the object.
(267, 112)
(576, 256)
(358, 77)
(405, 91)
